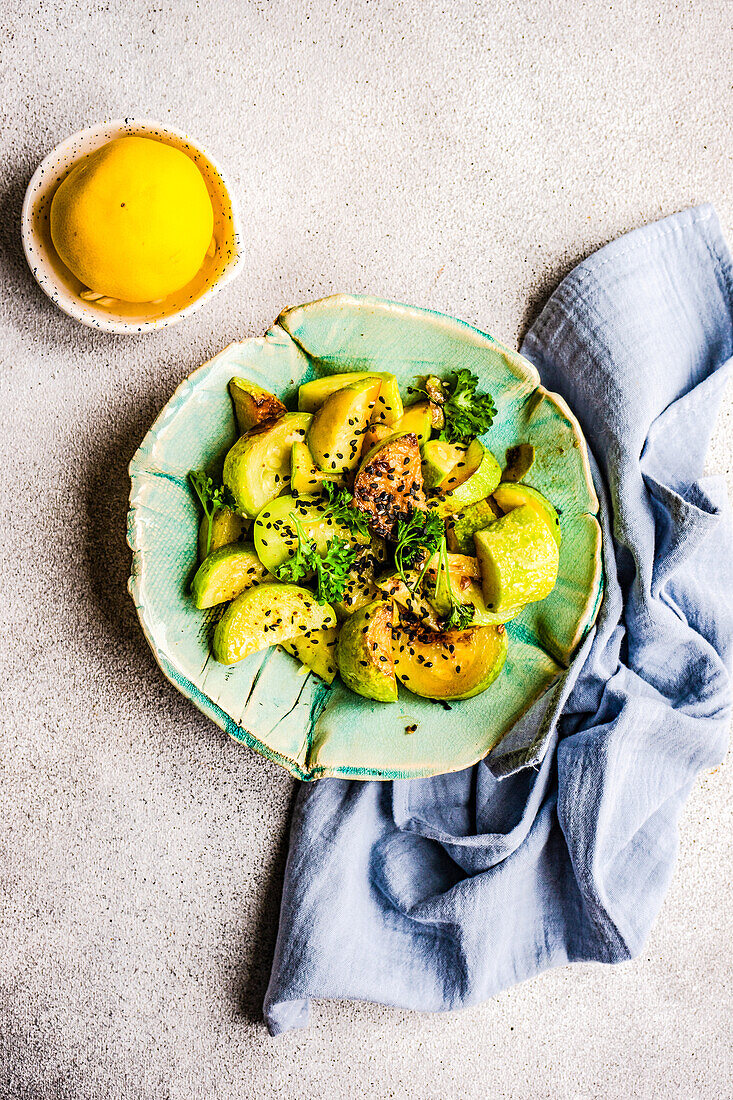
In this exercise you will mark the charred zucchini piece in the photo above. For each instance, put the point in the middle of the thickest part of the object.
(226, 527)
(456, 664)
(252, 404)
(479, 485)
(364, 653)
(305, 477)
(465, 467)
(375, 433)
(460, 528)
(265, 616)
(418, 419)
(519, 461)
(389, 483)
(225, 574)
(439, 459)
(335, 434)
(312, 395)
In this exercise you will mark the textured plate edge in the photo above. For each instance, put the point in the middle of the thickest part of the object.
(565, 411)
(593, 605)
(524, 369)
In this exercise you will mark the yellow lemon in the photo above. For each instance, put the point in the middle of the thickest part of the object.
(133, 220)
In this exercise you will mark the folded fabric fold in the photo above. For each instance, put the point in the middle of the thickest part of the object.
(437, 893)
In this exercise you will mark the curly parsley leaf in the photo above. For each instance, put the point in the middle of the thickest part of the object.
(212, 499)
(301, 563)
(461, 616)
(467, 413)
(331, 570)
(418, 536)
(344, 512)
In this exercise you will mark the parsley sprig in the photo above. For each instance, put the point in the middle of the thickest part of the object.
(467, 413)
(417, 536)
(301, 563)
(344, 512)
(212, 500)
(331, 569)
(460, 615)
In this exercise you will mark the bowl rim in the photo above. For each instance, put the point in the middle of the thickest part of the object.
(42, 271)
(238, 732)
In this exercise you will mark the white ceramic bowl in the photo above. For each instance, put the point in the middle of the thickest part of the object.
(64, 288)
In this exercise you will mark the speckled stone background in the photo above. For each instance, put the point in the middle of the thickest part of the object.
(461, 156)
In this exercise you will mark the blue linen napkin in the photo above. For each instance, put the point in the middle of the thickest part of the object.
(437, 893)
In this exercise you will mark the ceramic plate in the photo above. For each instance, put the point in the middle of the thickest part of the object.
(266, 702)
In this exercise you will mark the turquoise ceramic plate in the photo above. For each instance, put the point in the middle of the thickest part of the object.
(266, 702)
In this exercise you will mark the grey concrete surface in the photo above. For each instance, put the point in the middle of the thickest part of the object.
(461, 156)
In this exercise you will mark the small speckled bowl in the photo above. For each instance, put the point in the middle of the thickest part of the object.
(64, 288)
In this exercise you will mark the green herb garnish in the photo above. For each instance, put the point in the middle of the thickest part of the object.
(467, 413)
(297, 567)
(212, 500)
(420, 534)
(343, 510)
(460, 614)
(331, 569)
